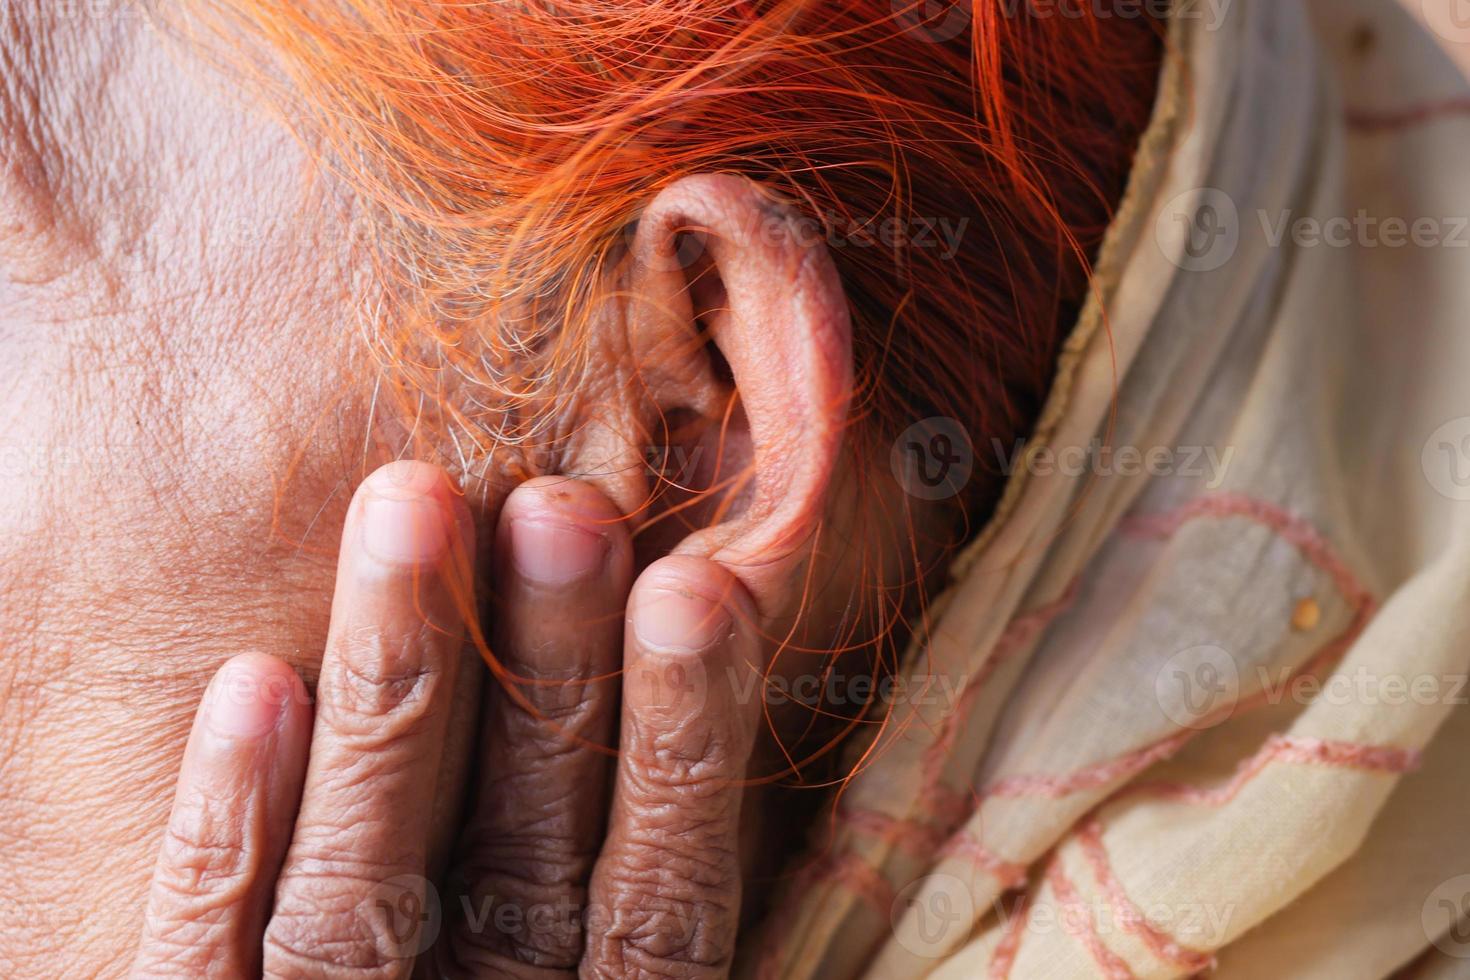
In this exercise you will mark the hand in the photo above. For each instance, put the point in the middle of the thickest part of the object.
(285, 833)
(248, 881)
(552, 883)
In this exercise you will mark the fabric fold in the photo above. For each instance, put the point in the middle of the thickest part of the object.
(1165, 741)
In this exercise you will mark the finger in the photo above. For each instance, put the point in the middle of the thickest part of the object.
(564, 566)
(665, 895)
(350, 898)
(236, 798)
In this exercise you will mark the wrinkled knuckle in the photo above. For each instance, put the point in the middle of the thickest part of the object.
(564, 695)
(542, 858)
(529, 897)
(175, 939)
(326, 873)
(552, 743)
(383, 684)
(671, 940)
(202, 867)
(700, 872)
(673, 911)
(303, 941)
(683, 766)
(563, 709)
(520, 941)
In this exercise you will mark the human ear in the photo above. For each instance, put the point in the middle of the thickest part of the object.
(738, 332)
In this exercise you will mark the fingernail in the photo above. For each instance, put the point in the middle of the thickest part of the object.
(678, 620)
(404, 530)
(555, 554)
(243, 703)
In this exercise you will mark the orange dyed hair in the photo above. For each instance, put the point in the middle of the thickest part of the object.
(508, 145)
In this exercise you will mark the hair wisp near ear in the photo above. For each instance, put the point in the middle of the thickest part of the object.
(738, 318)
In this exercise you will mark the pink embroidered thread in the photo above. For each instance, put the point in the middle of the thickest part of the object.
(918, 839)
(1004, 957)
(1077, 920)
(1295, 749)
(1290, 528)
(1113, 770)
(863, 880)
(1377, 120)
(910, 836)
(1020, 633)
(964, 844)
(1165, 947)
(1296, 531)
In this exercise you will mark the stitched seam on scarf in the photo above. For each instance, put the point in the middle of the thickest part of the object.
(1278, 748)
(1164, 946)
(1294, 749)
(910, 836)
(1089, 777)
(916, 838)
(1020, 632)
(863, 880)
(1077, 920)
(1004, 956)
(1293, 529)
(966, 845)
(848, 871)
(1388, 120)
(920, 839)
(1290, 528)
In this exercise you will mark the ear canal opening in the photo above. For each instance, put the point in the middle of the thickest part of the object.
(698, 476)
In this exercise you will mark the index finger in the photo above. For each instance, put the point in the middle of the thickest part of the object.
(383, 698)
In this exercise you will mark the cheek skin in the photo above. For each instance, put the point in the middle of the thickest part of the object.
(186, 419)
(96, 713)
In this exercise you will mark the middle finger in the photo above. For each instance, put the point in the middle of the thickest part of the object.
(563, 572)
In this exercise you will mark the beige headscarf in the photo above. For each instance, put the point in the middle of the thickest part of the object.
(1212, 710)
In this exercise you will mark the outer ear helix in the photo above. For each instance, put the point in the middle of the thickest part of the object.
(785, 335)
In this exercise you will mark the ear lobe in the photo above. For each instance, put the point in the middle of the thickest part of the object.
(716, 261)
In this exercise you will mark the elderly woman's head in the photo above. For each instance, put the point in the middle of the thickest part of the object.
(784, 279)
(721, 256)
(727, 261)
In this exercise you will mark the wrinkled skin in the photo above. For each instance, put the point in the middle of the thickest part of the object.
(187, 407)
(151, 398)
(248, 882)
